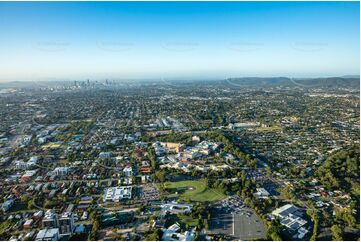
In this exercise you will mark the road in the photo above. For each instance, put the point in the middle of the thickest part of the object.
(55, 182)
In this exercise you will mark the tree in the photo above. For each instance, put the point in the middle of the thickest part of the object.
(156, 235)
(153, 158)
(160, 176)
(78, 237)
(274, 231)
(346, 216)
(337, 232)
(341, 170)
(197, 236)
(313, 213)
(96, 225)
(30, 203)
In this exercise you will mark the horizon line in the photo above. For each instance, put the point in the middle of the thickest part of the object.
(175, 79)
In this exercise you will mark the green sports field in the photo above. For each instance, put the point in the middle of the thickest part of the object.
(194, 190)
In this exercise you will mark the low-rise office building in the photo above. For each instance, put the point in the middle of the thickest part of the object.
(115, 194)
(48, 235)
(291, 218)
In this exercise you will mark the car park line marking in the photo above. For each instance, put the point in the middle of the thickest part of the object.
(232, 223)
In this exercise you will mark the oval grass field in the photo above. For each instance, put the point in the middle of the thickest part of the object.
(194, 190)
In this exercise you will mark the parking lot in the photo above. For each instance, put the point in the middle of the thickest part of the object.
(149, 192)
(233, 218)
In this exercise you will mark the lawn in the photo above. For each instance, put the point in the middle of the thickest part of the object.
(194, 190)
(187, 219)
(52, 145)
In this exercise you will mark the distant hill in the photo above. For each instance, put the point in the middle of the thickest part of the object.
(20, 84)
(328, 82)
(257, 81)
(351, 76)
(331, 82)
(32, 84)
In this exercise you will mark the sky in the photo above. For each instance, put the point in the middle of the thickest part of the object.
(175, 40)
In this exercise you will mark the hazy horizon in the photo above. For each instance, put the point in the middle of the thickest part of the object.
(174, 79)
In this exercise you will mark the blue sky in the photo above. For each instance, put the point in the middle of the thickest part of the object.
(97, 40)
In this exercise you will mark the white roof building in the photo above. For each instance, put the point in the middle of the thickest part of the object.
(291, 218)
(104, 155)
(128, 171)
(59, 171)
(28, 223)
(172, 234)
(33, 159)
(38, 214)
(261, 193)
(115, 194)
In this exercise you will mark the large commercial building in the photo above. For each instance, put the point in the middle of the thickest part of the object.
(48, 235)
(115, 194)
(291, 218)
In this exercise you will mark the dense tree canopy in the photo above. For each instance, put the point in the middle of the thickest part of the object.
(341, 170)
